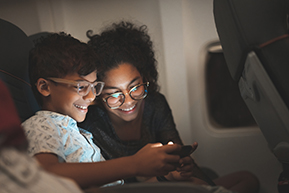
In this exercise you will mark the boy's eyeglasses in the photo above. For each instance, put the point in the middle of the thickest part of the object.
(83, 87)
(138, 92)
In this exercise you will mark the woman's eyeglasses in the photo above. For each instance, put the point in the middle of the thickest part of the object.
(138, 92)
(83, 87)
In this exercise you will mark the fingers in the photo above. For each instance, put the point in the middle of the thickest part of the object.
(167, 168)
(195, 145)
(186, 174)
(156, 145)
(186, 160)
(154, 159)
(167, 149)
(187, 165)
(186, 168)
(170, 148)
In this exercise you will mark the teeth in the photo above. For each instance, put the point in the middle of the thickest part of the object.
(81, 107)
(128, 109)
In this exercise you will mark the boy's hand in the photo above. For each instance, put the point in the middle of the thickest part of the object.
(156, 160)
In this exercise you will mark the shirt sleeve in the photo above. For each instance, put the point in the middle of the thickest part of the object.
(44, 137)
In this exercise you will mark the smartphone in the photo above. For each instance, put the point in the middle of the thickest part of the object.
(185, 151)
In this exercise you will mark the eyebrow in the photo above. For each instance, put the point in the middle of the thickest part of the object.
(79, 80)
(112, 87)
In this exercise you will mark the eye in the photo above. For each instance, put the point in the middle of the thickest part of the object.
(82, 86)
(115, 95)
(134, 89)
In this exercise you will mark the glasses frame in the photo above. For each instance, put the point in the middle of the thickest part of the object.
(77, 84)
(146, 84)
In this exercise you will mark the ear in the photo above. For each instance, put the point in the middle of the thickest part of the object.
(43, 87)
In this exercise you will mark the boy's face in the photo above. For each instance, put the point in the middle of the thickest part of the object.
(64, 99)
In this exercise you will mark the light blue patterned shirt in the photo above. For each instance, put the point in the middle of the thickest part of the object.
(50, 132)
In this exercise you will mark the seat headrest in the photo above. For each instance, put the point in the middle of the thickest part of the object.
(15, 46)
(14, 54)
(244, 25)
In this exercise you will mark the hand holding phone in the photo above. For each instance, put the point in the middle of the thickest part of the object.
(185, 151)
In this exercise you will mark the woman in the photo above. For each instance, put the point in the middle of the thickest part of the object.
(130, 111)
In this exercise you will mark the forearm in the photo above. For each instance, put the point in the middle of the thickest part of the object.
(151, 160)
(97, 173)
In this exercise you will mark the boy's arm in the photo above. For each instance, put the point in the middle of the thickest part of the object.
(149, 161)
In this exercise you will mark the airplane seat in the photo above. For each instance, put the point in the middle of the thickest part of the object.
(34, 37)
(14, 52)
(167, 187)
(255, 41)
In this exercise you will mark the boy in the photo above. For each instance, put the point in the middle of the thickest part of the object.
(63, 78)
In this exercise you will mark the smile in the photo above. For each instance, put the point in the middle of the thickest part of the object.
(128, 109)
(81, 107)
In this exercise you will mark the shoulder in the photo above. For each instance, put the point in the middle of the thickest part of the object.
(44, 122)
(157, 109)
(40, 118)
(157, 100)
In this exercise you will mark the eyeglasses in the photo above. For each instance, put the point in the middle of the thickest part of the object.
(138, 92)
(83, 87)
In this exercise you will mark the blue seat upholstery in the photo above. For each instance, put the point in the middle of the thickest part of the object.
(14, 52)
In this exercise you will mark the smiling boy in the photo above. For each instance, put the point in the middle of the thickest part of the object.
(63, 76)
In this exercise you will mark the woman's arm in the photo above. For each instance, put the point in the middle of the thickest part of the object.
(162, 123)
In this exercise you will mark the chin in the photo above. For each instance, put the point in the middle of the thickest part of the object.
(79, 119)
(128, 119)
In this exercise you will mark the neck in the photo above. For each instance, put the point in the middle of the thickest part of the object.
(127, 130)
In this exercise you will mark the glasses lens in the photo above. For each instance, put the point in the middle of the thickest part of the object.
(115, 100)
(83, 88)
(138, 92)
(98, 88)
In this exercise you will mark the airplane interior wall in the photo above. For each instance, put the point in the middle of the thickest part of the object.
(181, 31)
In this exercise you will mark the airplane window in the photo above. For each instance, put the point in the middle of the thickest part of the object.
(225, 105)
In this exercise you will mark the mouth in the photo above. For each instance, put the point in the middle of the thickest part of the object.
(128, 109)
(81, 107)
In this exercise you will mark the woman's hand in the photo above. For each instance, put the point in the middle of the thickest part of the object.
(187, 164)
(176, 176)
(185, 170)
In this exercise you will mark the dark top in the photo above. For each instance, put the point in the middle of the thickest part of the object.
(157, 126)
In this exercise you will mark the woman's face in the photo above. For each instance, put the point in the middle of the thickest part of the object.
(122, 79)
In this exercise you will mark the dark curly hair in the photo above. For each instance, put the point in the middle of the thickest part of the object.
(57, 55)
(124, 42)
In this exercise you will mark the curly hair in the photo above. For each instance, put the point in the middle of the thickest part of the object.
(58, 55)
(124, 42)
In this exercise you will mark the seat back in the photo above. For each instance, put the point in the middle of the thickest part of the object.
(14, 52)
(255, 41)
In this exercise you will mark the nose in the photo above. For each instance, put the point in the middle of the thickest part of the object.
(128, 98)
(90, 96)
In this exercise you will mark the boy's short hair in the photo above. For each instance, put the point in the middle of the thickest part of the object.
(58, 55)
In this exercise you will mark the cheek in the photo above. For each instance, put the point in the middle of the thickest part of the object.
(72, 98)
(105, 106)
